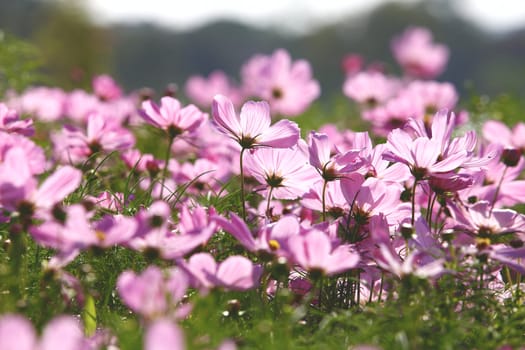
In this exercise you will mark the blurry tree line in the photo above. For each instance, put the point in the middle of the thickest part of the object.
(143, 54)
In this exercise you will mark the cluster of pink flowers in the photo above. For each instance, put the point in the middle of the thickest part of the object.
(319, 208)
(287, 86)
(388, 101)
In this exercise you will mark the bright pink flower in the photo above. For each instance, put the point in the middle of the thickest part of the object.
(171, 117)
(101, 134)
(432, 95)
(418, 55)
(388, 260)
(287, 86)
(331, 167)
(373, 197)
(497, 132)
(426, 155)
(270, 239)
(285, 171)
(34, 154)
(163, 334)
(10, 122)
(203, 175)
(497, 183)
(316, 252)
(202, 90)
(252, 127)
(352, 63)
(18, 188)
(152, 293)
(106, 88)
(393, 114)
(370, 88)
(47, 104)
(16, 333)
(62, 332)
(194, 229)
(481, 220)
(335, 202)
(234, 273)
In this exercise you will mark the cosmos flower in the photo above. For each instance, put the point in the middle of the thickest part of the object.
(252, 127)
(287, 86)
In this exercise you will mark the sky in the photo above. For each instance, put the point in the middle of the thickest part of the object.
(294, 15)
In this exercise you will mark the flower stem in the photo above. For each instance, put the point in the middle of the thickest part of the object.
(324, 200)
(413, 202)
(267, 213)
(165, 170)
(496, 194)
(243, 205)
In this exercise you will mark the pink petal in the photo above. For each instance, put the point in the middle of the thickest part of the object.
(16, 333)
(63, 333)
(57, 186)
(163, 334)
(255, 118)
(282, 134)
(238, 273)
(224, 116)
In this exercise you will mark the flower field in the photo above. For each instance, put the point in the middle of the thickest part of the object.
(235, 216)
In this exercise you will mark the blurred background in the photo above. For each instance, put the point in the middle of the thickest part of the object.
(154, 43)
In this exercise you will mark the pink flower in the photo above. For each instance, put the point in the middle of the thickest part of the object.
(106, 88)
(315, 252)
(16, 333)
(10, 122)
(286, 172)
(497, 132)
(426, 156)
(152, 292)
(18, 188)
(171, 117)
(370, 88)
(201, 90)
(72, 230)
(163, 334)
(418, 55)
(62, 332)
(252, 127)
(287, 86)
(432, 95)
(481, 220)
(234, 273)
(47, 104)
(388, 260)
(331, 167)
(101, 134)
(373, 197)
(34, 154)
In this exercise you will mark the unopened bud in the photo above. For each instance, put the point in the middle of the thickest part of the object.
(510, 157)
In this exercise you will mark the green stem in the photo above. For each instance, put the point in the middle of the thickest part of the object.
(414, 202)
(243, 204)
(496, 194)
(165, 170)
(324, 200)
(268, 203)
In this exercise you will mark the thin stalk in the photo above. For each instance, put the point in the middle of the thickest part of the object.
(496, 194)
(413, 202)
(165, 170)
(243, 204)
(267, 212)
(324, 200)
(430, 212)
(379, 297)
